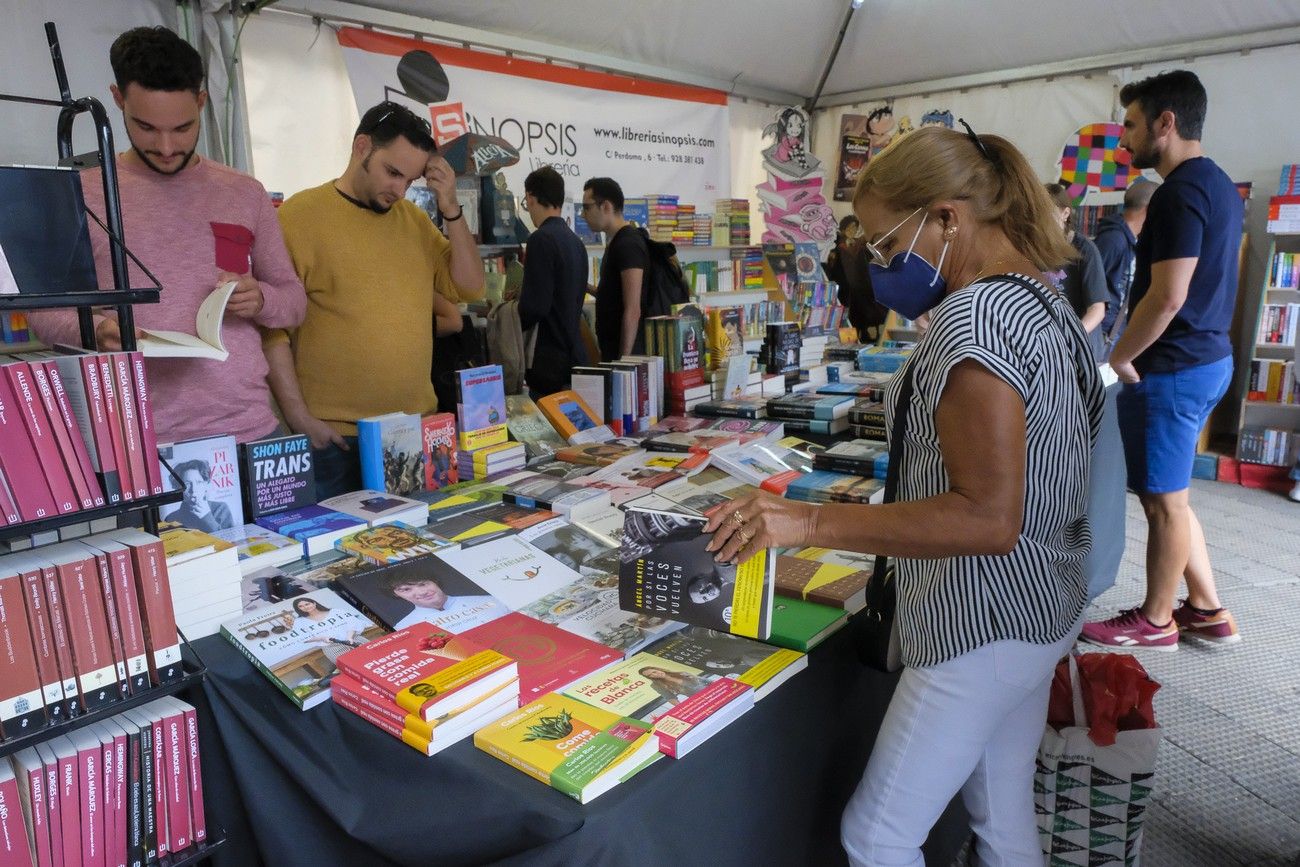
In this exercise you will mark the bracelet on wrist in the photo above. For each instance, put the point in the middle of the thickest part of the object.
(460, 212)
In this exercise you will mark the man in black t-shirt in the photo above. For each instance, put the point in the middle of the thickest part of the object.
(555, 281)
(619, 329)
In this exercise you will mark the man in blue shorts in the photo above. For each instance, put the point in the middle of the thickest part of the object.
(1174, 358)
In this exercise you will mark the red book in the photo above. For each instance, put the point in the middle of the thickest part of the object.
(30, 773)
(78, 439)
(681, 380)
(113, 415)
(105, 586)
(549, 658)
(450, 671)
(22, 701)
(8, 505)
(107, 808)
(50, 762)
(116, 797)
(70, 800)
(22, 468)
(149, 566)
(125, 383)
(126, 606)
(438, 440)
(144, 414)
(92, 656)
(38, 621)
(90, 784)
(15, 847)
(176, 771)
(160, 778)
(30, 562)
(198, 819)
(60, 430)
(79, 372)
(28, 402)
(778, 483)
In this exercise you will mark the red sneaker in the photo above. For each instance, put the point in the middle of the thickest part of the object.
(1132, 631)
(1217, 628)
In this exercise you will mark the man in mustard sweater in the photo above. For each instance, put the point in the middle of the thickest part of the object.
(380, 279)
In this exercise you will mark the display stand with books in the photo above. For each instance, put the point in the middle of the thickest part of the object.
(141, 706)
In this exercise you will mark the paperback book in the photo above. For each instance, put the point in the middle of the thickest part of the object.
(589, 608)
(549, 658)
(829, 584)
(389, 543)
(315, 527)
(759, 665)
(481, 406)
(206, 471)
(438, 443)
(377, 507)
(420, 590)
(279, 475)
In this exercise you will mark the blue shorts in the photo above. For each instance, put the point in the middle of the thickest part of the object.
(1160, 420)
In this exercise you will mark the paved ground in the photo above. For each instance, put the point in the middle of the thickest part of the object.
(1228, 780)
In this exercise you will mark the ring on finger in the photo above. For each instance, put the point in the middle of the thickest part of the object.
(746, 536)
(738, 518)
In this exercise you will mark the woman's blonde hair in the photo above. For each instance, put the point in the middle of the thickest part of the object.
(934, 163)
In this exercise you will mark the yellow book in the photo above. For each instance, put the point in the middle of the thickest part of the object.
(580, 750)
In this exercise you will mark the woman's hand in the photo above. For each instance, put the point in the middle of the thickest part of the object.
(747, 525)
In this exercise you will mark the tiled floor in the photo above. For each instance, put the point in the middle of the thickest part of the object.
(1228, 778)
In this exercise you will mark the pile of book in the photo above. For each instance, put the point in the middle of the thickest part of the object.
(683, 234)
(1284, 271)
(781, 350)
(86, 624)
(126, 790)
(680, 341)
(858, 457)
(1260, 445)
(1277, 324)
(882, 359)
(731, 223)
(867, 420)
(749, 269)
(811, 413)
(702, 230)
(1272, 381)
(76, 432)
(661, 213)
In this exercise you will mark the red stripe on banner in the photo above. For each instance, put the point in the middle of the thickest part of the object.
(449, 55)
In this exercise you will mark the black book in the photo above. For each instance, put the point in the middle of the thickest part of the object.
(278, 475)
(743, 407)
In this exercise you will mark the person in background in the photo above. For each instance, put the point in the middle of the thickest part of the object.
(381, 280)
(197, 225)
(1175, 357)
(1083, 280)
(555, 281)
(847, 266)
(1116, 241)
(1002, 413)
(619, 322)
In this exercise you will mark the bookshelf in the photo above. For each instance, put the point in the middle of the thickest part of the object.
(1265, 413)
(121, 297)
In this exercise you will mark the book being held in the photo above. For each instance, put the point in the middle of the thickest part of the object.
(204, 343)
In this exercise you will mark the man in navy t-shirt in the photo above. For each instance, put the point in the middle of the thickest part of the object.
(1175, 357)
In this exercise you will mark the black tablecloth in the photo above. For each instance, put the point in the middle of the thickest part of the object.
(325, 788)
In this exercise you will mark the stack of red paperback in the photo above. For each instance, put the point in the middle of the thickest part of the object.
(425, 686)
(76, 432)
(127, 790)
(83, 625)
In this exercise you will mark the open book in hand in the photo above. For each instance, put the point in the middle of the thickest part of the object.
(207, 344)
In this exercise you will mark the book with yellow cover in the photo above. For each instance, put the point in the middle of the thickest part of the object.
(481, 407)
(582, 751)
(568, 413)
(389, 543)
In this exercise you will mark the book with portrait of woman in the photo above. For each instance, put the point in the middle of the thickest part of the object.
(665, 570)
(296, 643)
(206, 472)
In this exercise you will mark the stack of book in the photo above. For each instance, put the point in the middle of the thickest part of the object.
(812, 413)
(1272, 381)
(426, 686)
(205, 577)
(749, 270)
(702, 230)
(684, 228)
(662, 216)
(376, 508)
(781, 350)
(490, 460)
(1277, 324)
(867, 420)
(87, 624)
(76, 432)
(316, 528)
(821, 486)
(1259, 445)
(127, 790)
(882, 359)
(1284, 214)
(859, 457)
(679, 340)
(731, 223)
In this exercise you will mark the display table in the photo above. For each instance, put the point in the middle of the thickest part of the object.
(325, 788)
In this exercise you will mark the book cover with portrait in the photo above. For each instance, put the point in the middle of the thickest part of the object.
(665, 570)
(206, 472)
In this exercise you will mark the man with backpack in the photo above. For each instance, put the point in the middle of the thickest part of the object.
(638, 277)
(1116, 240)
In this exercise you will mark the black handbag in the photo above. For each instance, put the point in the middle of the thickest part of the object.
(877, 635)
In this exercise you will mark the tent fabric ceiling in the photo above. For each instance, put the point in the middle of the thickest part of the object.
(782, 46)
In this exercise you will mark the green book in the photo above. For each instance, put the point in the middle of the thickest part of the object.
(801, 625)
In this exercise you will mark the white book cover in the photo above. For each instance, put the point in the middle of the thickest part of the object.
(589, 608)
(583, 551)
(510, 569)
(259, 547)
(378, 507)
(208, 474)
(206, 343)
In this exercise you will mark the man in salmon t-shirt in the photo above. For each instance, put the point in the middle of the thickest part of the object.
(195, 224)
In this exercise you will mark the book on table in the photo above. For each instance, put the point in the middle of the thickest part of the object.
(759, 665)
(801, 625)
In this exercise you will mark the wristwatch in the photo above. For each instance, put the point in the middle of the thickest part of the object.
(459, 213)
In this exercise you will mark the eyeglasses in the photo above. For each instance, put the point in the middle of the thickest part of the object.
(392, 109)
(874, 252)
(970, 134)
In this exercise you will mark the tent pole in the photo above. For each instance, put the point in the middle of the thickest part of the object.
(811, 103)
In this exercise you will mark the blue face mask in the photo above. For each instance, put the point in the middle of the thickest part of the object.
(907, 283)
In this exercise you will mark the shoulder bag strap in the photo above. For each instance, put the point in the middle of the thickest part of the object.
(876, 589)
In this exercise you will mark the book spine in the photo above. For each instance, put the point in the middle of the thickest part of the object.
(54, 807)
(127, 609)
(110, 472)
(42, 436)
(80, 442)
(88, 634)
(15, 845)
(31, 794)
(198, 818)
(8, 505)
(148, 818)
(157, 613)
(378, 703)
(62, 641)
(115, 642)
(22, 701)
(113, 416)
(70, 802)
(851, 466)
(130, 423)
(121, 797)
(370, 453)
(135, 839)
(92, 819)
(382, 722)
(163, 838)
(60, 430)
(144, 417)
(107, 805)
(47, 661)
(22, 467)
(251, 657)
(178, 788)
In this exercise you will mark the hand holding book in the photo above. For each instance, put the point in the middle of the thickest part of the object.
(745, 526)
(246, 301)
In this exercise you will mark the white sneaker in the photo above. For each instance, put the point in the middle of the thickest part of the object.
(1295, 493)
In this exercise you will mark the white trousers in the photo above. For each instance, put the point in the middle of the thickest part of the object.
(971, 724)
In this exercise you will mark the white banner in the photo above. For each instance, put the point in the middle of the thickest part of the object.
(648, 136)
